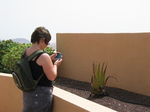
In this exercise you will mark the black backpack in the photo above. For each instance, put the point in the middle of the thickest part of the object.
(22, 73)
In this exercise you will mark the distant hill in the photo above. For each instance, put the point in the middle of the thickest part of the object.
(21, 40)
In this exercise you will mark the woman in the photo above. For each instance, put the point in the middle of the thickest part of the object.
(41, 99)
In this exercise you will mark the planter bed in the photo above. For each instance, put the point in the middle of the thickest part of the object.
(117, 99)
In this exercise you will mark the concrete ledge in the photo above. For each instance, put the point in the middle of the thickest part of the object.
(11, 99)
(68, 102)
(10, 95)
(5, 75)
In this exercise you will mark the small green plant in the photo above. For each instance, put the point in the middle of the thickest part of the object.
(99, 80)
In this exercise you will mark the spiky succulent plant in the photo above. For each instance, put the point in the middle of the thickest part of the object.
(99, 80)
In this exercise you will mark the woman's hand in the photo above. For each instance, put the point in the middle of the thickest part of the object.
(58, 62)
(53, 56)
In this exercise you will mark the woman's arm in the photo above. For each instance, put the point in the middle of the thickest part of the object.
(49, 68)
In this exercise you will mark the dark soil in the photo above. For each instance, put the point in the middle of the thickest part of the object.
(117, 99)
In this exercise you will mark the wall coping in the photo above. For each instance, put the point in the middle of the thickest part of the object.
(5, 74)
(80, 102)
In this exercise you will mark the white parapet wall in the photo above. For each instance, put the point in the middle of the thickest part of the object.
(11, 99)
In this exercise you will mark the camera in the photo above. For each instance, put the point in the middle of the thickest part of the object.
(59, 55)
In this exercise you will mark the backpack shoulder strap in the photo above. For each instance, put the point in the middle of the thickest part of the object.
(34, 54)
(23, 55)
(38, 52)
(38, 56)
(31, 57)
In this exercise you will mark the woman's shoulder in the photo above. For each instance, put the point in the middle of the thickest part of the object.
(44, 56)
(44, 59)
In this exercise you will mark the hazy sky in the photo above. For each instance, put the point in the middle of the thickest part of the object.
(19, 18)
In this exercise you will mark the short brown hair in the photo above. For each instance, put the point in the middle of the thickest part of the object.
(40, 32)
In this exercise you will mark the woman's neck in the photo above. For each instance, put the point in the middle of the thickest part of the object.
(35, 46)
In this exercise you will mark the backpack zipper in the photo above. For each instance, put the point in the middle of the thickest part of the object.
(19, 83)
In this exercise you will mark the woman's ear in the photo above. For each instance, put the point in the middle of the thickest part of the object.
(42, 40)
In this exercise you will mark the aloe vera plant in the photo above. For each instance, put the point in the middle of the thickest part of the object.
(99, 80)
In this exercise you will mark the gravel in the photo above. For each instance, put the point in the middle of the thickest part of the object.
(117, 99)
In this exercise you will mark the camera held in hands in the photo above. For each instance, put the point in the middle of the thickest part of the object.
(59, 55)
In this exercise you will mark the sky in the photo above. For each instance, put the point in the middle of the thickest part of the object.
(19, 18)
